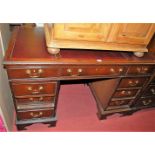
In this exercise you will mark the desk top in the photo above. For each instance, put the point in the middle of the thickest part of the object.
(27, 46)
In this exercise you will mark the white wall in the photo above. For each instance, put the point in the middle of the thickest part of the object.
(6, 103)
(39, 24)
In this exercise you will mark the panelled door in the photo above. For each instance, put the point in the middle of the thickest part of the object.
(132, 33)
(82, 32)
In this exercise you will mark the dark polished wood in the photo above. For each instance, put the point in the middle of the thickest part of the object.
(35, 102)
(119, 81)
(132, 82)
(33, 114)
(37, 88)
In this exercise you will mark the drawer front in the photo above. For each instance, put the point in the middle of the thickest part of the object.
(119, 102)
(23, 89)
(125, 93)
(132, 82)
(150, 91)
(91, 70)
(33, 73)
(149, 101)
(33, 114)
(141, 70)
(34, 100)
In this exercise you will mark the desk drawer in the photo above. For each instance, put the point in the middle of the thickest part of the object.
(33, 72)
(34, 114)
(119, 102)
(32, 100)
(132, 82)
(141, 70)
(22, 89)
(148, 101)
(92, 70)
(35, 102)
(125, 93)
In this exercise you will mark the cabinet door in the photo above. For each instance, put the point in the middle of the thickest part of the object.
(133, 33)
(82, 32)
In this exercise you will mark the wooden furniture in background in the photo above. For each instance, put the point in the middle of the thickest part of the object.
(120, 82)
(99, 36)
(28, 25)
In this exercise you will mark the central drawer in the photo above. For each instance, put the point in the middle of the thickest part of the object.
(22, 89)
(64, 70)
(93, 70)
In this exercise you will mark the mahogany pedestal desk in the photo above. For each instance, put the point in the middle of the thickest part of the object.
(119, 81)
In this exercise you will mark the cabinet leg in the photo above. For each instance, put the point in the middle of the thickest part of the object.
(101, 117)
(51, 124)
(54, 51)
(127, 113)
(22, 126)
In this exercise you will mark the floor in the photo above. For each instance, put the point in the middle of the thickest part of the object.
(76, 111)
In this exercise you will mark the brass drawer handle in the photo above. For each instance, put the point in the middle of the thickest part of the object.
(126, 92)
(145, 69)
(33, 73)
(35, 91)
(36, 115)
(133, 83)
(153, 91)
(70, 72)
(147, 102)
(112, 70)
(119, 102)
(32, 99)
(80, 70)
(41, 98)
(120, 70)
(142, 70)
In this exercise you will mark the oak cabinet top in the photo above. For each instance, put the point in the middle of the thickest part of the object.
(133, 37)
